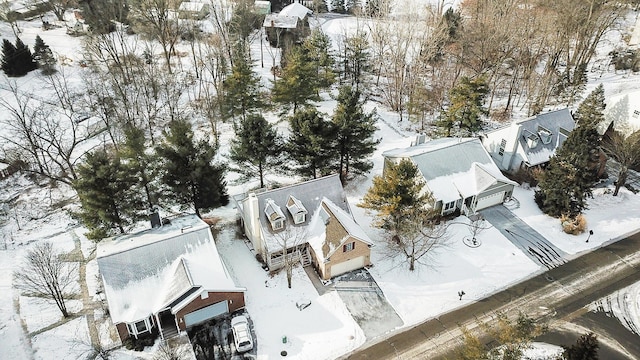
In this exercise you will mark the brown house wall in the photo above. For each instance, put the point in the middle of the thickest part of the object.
(360, 249)
(236, 302)
(122, 331)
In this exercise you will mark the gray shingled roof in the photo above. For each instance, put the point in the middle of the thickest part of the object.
(551, 121)
(445, 156)
(309, 193)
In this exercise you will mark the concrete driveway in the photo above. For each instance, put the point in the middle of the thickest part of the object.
(523, 236)
(366, 303)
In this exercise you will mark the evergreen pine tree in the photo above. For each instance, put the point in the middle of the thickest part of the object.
(311, 144)
(466, 106)
(318, 47)
(591, 111)
(107, 193)
(8, 58)
(299, 81)
(242, 88)
(44, 57)
(256, 149)
(193, 180)
(395, 193)
(355, 130)
(356, 59)
(586, 348)
(24, 61)
(140, 163)
(567, 180)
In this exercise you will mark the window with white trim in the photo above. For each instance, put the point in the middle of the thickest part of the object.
(449, 205)
(141, 326)
(299, 218)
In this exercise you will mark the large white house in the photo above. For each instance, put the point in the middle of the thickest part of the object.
(459, 173)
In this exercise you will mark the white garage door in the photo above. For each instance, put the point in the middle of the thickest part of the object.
(206, 313)
(347, 266)
(490, 200)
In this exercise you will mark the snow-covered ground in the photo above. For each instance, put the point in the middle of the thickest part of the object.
(416, 296)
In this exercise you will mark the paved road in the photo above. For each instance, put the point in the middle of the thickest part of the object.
(555, 295)
(523, 236)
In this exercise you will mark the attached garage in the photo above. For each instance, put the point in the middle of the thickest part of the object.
(347, 266)
(206, 313)
(490, 200)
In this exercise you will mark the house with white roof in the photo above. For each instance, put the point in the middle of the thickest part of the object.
(193, 10)
(459, 173)
(166, 279)
(529, 142)
(310, 222)
(290, 24)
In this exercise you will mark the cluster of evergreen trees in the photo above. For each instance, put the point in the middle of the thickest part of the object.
(118, 186)
(17, 60)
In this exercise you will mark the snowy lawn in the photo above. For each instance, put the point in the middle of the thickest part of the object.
(67, 341)
(610, 217)
(272, 307)
(39, 313)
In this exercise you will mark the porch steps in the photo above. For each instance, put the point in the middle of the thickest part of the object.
(169, 332)
(305, 259)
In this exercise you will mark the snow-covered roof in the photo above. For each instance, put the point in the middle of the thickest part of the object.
(309, 194)
(192, 6)
(558, 123)
(280, 21)
(295, 9)
(154, 269)
(452, 167)
(325, 235)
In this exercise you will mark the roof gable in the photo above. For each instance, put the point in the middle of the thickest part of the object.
(144, 272)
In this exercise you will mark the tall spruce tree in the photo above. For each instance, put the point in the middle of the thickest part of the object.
(142, 164)
(355, 130)
(466, 106)
(566, 183)
(192, 178)
(299, 81)
(242, 88)
(591, 111)
(44, 57)
(24, 61)
(395, 193)
(311, 144)
(8, 58)
(256, 149)
(318, 49)
(107, 192)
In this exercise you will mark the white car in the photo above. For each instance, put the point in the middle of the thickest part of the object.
(241, 333)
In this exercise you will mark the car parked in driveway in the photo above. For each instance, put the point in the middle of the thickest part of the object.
(241, 333)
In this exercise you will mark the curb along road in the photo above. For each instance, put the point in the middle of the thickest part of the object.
(552, 295)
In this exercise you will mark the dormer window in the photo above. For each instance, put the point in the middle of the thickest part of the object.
(545, 135)
(532, 139)
(274, 215)
(297, 210)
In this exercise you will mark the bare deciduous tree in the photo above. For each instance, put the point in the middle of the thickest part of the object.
(419, 236)
(45, 274)
(292, 241)
(625, 150)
